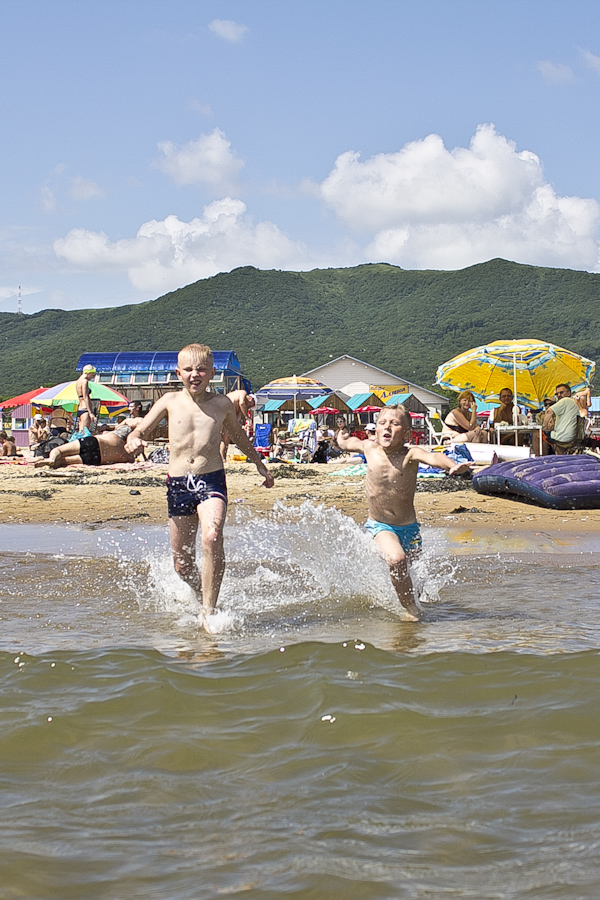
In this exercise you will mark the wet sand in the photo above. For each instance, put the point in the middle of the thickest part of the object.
(93, 495)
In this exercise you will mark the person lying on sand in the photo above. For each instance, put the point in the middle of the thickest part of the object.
(96, 450)
(391, 484)
(196, 486)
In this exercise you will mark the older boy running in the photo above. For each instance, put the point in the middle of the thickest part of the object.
(196, 487)
(391, 483)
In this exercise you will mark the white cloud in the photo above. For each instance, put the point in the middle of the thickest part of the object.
(6, 293)
(209, 160)
(204, 109)
(427, 207)
(48, 199)
(84, 189)
(228, 30)
(168, 254)
(591, 60)
(556, 73)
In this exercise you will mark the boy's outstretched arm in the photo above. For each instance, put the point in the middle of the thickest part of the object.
(136, 441)
(439, 461)
(241, 440)
(346, 442)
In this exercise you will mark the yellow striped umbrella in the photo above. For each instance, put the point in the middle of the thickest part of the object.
(530, 369)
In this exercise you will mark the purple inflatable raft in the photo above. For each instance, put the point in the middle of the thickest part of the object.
(557, 482)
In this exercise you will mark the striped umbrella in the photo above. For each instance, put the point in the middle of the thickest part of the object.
(65, 395)
(531, 369)
(293, 388)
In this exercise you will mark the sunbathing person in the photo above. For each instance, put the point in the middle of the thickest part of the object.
(460, 425)
(96, 450)
(8, 446)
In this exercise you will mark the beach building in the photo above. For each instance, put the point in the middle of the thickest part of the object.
(351, 376)
(146, 376)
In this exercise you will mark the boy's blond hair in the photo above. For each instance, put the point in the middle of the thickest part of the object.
(400, 408)
(197, 352)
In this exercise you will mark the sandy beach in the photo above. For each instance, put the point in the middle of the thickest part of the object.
(87, 495)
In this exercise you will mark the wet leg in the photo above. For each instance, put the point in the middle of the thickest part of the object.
(183, 531)
(391, 549)
(211, 514)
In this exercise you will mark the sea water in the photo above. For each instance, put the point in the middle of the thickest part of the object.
(320, 746)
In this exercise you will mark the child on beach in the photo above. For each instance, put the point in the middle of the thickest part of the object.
(391, 484)
(196, 487)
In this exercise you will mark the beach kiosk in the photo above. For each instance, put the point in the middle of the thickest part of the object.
(146, 376)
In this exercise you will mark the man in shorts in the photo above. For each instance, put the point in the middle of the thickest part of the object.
(196, 487)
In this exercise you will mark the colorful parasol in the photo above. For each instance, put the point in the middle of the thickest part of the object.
(21, 399)
(324, 411)
(293, 388)
(65, 395)
(531, 369)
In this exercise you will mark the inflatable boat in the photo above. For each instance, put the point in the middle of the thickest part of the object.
(557, 482)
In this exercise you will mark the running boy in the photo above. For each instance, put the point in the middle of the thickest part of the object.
(196, 488)
(391, 483)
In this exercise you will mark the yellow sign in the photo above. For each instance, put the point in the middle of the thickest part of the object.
(385, 391)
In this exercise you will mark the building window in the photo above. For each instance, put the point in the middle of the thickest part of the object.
(141, 378)
(105, 378)
(160, 377)
(123, 378)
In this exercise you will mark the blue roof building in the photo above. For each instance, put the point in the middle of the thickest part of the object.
(151, 373)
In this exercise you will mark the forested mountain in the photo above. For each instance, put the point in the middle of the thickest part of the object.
(284, 323)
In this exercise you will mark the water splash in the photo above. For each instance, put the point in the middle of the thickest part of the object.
(298, 562)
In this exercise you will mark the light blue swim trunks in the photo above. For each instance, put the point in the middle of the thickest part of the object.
(408, 535)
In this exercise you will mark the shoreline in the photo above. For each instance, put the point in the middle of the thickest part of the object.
(137, 491)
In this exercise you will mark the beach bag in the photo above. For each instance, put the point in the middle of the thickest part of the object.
(80, 435)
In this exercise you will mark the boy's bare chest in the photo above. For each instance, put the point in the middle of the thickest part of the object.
(391, 473)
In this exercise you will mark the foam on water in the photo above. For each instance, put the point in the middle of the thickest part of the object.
(293, 560)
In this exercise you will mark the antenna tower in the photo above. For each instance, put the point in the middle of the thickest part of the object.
(19, 304)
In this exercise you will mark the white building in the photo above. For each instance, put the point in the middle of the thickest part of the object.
(354, 376)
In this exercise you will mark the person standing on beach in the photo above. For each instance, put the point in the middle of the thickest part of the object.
(196, 486)
(85, 413)
(243, 402)
(391, 483)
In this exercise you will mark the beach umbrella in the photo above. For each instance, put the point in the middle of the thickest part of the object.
(368, 409)
(293, 388)
(324, 411)
(65, 395)
(532, 369)
(21, 399)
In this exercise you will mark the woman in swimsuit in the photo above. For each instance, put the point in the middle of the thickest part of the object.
(96, 450)
(460, 425)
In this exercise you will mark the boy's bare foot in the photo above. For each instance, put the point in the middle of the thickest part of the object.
(413, 613)
(206, 619)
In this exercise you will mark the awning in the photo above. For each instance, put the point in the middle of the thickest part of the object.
(272, 405)
(363, 400)
(396, 398)
(315, 402)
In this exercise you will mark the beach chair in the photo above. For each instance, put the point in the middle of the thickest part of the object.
(262, 438)
(579, 442)
(434, 427)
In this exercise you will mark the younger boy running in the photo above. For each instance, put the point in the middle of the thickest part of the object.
(391, 483)
(196, 488)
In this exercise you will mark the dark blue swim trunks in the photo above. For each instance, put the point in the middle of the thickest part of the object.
(185, 493)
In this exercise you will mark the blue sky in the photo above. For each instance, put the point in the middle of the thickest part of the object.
(149, 144)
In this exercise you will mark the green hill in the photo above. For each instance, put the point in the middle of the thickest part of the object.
(284, 323)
